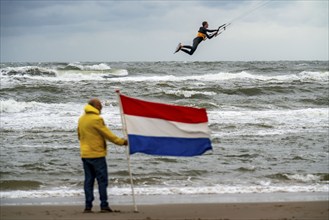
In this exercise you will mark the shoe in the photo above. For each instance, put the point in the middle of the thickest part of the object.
(106, 210)
(87, 210)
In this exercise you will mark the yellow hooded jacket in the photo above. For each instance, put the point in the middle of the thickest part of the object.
(92, 133)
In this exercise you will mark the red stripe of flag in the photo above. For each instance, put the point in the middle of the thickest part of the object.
(137, 107)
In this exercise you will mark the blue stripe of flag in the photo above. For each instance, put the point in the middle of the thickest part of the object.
(168, 146)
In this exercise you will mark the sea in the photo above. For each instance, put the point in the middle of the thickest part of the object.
(269, 124)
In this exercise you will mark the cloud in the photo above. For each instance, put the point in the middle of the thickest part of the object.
(150, 30)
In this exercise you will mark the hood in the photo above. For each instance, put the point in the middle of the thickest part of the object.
(91, 109)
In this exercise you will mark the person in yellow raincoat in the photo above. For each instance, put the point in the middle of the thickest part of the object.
(92, 134)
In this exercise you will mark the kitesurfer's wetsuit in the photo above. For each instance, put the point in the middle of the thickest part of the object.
(202, 35)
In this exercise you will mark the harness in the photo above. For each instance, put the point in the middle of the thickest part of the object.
(202, 35)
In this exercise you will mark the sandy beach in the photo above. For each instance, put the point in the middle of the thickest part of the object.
(317, 210)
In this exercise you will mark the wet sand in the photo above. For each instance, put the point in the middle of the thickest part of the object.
(314, 210)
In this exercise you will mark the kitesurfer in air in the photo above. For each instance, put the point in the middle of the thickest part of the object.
(202, 35)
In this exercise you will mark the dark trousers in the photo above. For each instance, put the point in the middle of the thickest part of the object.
(196, 42)
(95, 168)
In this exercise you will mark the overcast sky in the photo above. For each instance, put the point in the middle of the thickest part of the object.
(68, 31)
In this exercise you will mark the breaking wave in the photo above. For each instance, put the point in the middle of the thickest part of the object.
(29, 71)
(79, 66)
(12, 106)
(224, 76)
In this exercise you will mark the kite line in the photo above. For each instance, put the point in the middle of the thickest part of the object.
(223, 27)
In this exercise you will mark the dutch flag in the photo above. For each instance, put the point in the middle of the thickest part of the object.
(163, 129)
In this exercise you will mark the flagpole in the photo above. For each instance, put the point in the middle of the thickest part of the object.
(124, 131)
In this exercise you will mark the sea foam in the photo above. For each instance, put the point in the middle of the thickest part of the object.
(140, 191)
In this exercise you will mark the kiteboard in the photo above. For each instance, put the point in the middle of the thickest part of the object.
(178, 48)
